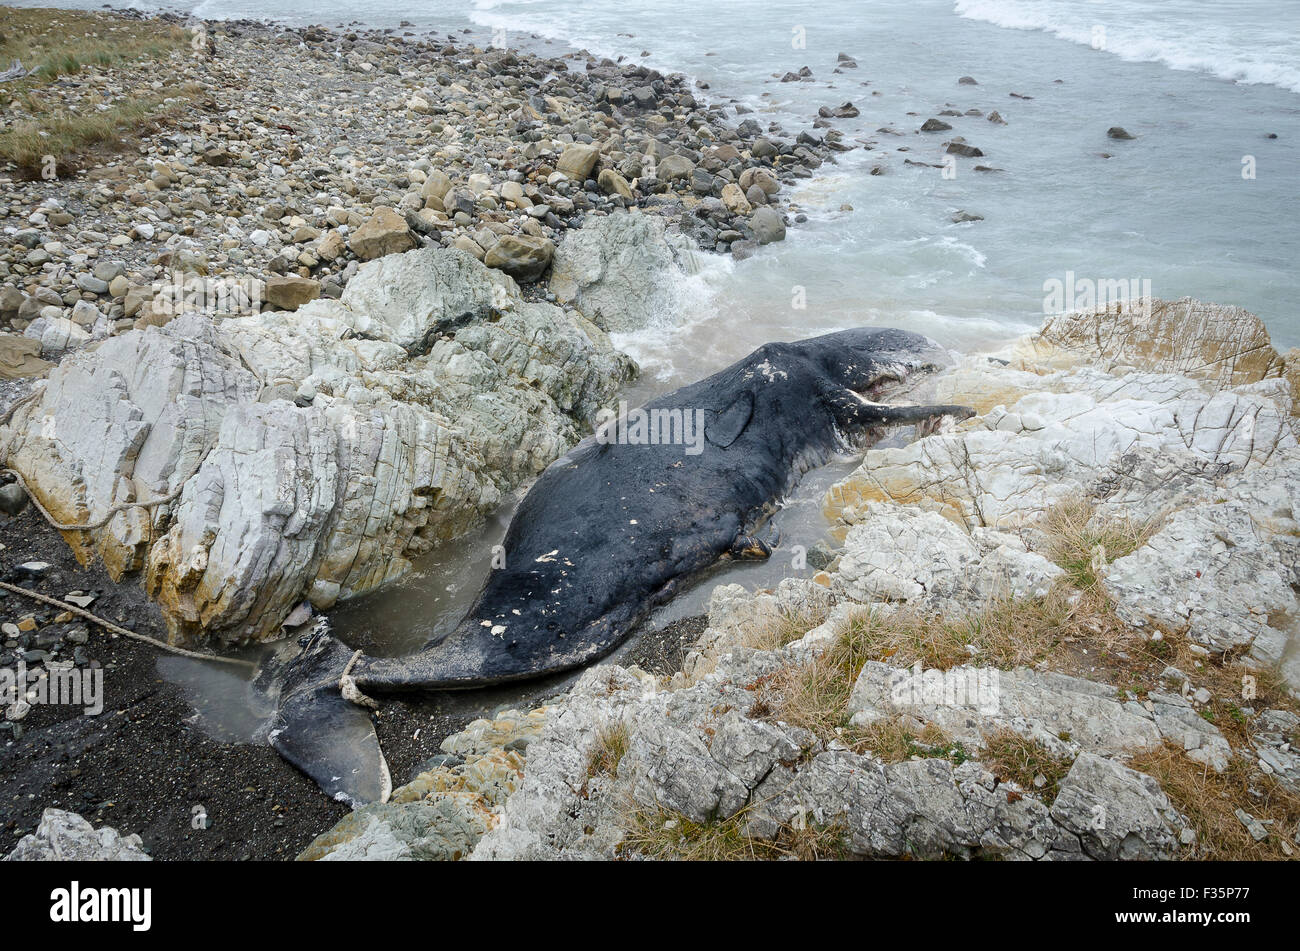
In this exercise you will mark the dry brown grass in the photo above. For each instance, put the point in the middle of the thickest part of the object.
(65, 135)
(766, 634)
(611, 745)
(65, 123)
(1209, 800)
(1233, 685)
(1005, 633)
(895, 739)
(1082, 544)
(784, 629)
(1011, 756)
(667, 836)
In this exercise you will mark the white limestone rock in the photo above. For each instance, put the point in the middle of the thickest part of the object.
(318, 450)
(1117, 812)
(901, 553)
(622, 270)
(1212, 571)
(64, 836)
(57, 334)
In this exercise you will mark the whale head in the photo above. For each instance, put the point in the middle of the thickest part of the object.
(868, 360)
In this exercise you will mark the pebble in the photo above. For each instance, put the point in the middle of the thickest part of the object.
(309, 150)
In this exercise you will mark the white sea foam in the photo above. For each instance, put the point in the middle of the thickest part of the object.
(1262, 45)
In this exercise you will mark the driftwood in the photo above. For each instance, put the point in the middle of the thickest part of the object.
(15, 71)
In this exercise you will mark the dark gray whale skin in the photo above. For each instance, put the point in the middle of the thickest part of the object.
(610, 531)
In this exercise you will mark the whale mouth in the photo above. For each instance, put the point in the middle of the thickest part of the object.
(895, 379)
(882, 384)
(900, 370)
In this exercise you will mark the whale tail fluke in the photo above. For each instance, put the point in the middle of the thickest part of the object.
(322, 732)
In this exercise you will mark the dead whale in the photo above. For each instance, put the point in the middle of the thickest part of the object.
(610, 531)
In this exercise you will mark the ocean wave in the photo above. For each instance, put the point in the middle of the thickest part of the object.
(1258, 48)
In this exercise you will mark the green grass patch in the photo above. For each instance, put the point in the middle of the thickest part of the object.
(50, 128)
(1011, 756)
(53, 43)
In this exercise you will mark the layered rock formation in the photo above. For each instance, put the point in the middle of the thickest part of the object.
(313, 452)
(1183, 418)
(703, 749)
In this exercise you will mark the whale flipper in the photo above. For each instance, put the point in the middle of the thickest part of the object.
(328, 737)
(726, 427)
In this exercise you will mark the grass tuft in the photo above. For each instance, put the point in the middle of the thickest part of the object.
(1082, 544)
(664, 835)
(1012, 756)
(63, 135)
(611, 746)
(53, 43)
(894, 740)
(1209, 800)
(787, 627)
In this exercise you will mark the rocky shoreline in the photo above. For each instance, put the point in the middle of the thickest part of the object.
(1061, 630)
(308, 151)
(363, 288)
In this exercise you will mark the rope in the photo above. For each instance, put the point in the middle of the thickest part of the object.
(98, 523)
(348, 687)
(104, 520)
(18, 404)
(122, 506)
(124, 632)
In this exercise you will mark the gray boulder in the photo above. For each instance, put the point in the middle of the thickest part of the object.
(434, 831)
(674, 167)
(65, 836)
(523, 257)
(1117, 812)
(767, 225)
(622, 270)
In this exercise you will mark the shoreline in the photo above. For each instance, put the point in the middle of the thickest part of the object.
(159, 754)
